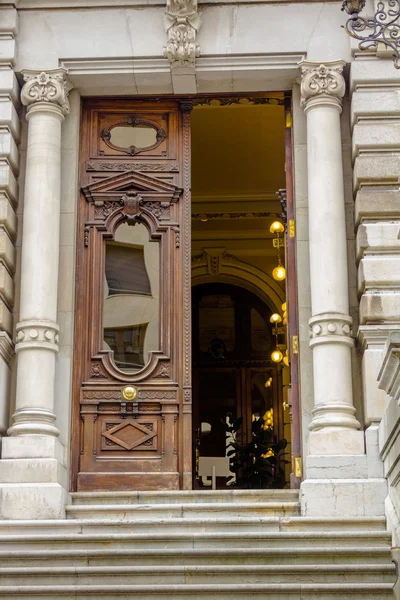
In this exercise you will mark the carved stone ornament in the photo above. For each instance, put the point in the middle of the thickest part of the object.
(182, 22)
(40, 334)
(322, 81)
(45, 87)
(331, 328)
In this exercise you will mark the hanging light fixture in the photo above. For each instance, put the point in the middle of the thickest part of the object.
(277, 355)
(277, 228)
(275, 318)
(279, 273)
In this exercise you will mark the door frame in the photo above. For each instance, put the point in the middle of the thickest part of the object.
(183, 341)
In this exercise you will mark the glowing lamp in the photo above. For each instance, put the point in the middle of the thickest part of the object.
(276, 355)
(277, 227)
(275, 318)
(279, 273)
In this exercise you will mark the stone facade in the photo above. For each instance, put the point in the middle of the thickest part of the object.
(345, 129)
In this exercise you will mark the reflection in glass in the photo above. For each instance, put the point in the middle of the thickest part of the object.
(260, 332)
(217, 321)
(125, 270)
(139, 136)
(127, 344)
(261, 397)
(131, 297)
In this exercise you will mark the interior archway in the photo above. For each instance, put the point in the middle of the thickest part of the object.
(235, 380)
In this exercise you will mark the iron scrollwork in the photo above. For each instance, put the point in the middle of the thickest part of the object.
(382, 28)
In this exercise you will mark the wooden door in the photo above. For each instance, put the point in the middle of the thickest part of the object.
(292, 305)
(132, 350)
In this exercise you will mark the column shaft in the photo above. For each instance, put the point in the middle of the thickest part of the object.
(37, 332)
(330, 325)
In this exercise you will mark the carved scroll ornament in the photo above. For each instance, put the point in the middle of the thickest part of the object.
(182, 22)
(322, 81)
(46, 87)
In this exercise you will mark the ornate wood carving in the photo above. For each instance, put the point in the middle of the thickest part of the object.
(122, 166)
(130, 444)
(133, 121)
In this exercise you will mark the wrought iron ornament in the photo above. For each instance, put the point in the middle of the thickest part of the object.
(384, 27)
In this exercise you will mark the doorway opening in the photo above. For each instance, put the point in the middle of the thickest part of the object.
(238, 166)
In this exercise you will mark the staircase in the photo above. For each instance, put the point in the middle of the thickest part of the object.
(186, 545)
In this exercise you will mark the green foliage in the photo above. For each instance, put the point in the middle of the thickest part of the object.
(258, 464)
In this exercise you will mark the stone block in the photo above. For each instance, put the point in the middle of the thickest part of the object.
(33, 446)
(6, 285)
(380, 306)
(373, 397)
(8, 83)
(383, 236)
(337, 467)
(374, 461)
(333, 442)
(7, 250)
(363, 73)
(8, 20)
(380, 168)
(8, 182)
(7, 48)
(33, 470)
(8, 149)
(343, 497)
(372, 203)
(8, 217)
(9, 117)
(382, 103)
(379, 271)
(6, 318)
(5, 379)
(369, 136)
(32, 501)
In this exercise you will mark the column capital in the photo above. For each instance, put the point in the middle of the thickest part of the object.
(322, 83)
(43, 89)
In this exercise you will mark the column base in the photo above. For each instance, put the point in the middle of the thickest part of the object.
(343, 497)
(33, 421)
(34, 480)
(32, 501)
(336, 442)
(32, 446)
(338, 415)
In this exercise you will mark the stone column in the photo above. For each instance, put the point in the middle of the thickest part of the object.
(333, 429)
(336, 481)
(45, 95)
(33, 434)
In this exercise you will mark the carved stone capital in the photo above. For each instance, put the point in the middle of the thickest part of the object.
(322, 83)
(182, 22)
(330, 328)
(37, 334)
(46, 88)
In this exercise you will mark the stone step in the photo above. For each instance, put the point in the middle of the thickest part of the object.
(166, 557)
(190, 510)
(278, 591)
(206, 574)
(158, 539)
(185, 497)
(224, 523)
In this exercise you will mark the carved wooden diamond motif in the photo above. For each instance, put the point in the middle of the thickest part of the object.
(130, 434)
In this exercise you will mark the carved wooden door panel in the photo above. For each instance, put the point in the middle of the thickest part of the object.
(132, 379)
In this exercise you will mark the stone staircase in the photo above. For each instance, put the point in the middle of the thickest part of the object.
(222, 544)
